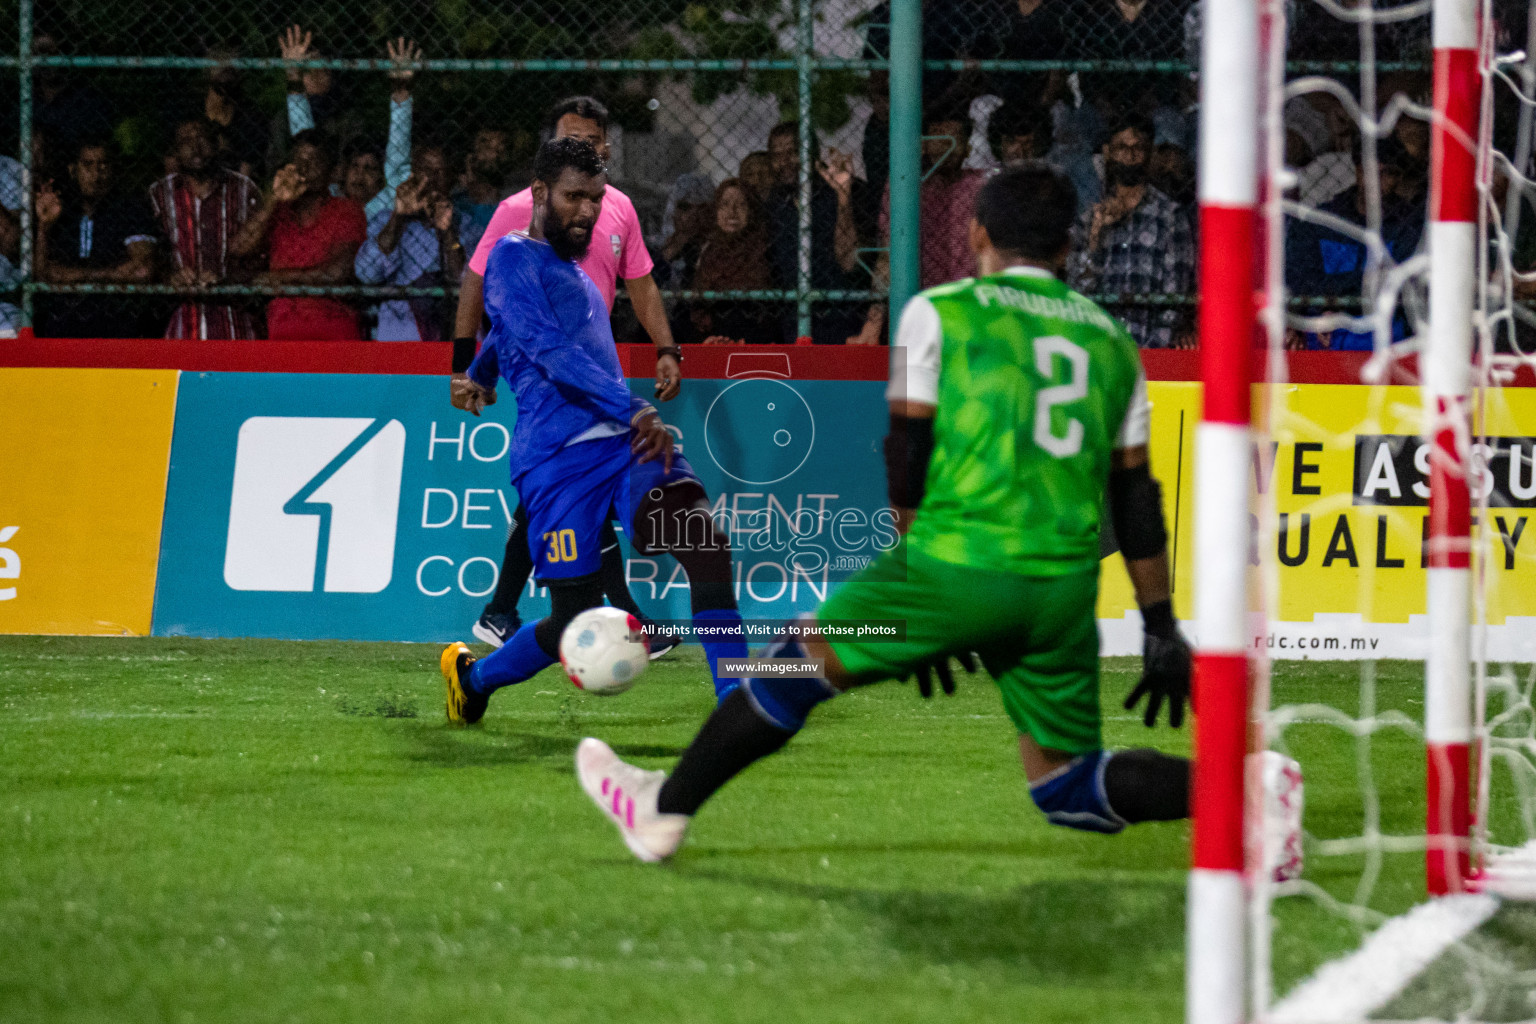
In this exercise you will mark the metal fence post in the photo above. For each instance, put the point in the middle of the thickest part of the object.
(906, 152)
(24, 142)
(804, 42)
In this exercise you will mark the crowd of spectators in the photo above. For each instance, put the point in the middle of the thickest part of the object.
(307, 199)
(310, 196)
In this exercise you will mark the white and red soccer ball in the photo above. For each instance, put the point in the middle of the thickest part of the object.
(1280, 777)
(604, 650)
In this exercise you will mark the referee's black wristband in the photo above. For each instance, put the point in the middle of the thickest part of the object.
(463, 353)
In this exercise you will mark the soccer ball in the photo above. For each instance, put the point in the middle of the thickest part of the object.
(604, 650)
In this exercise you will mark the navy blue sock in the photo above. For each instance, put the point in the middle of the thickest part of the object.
(785, 702)
(1073, 795)
(721, 637)
(518, 659)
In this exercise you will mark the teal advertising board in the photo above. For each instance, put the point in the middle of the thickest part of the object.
(364, 507)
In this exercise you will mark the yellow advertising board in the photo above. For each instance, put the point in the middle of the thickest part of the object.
(83, 461)
(1342, 489)
(1175, 414)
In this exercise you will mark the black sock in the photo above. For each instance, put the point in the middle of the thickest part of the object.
(568, 598)
(1145, 785)
(733, 737)
(615, 585)
(516, 567)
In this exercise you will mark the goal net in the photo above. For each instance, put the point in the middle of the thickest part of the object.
(1365, 791)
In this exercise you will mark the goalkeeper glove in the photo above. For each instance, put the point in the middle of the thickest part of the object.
(1165, 665)
(940, 667)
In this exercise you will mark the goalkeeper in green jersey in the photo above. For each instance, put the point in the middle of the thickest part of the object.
(1018, 413)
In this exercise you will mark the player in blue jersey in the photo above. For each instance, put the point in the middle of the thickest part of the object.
(584, 449)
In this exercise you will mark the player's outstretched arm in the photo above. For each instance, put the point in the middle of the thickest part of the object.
(1136, 509)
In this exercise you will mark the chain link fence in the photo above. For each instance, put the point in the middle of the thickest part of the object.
(752, 137)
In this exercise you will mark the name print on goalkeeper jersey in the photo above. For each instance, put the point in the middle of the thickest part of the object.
(1034, 387)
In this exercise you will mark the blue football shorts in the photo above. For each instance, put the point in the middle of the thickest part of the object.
(575, 491)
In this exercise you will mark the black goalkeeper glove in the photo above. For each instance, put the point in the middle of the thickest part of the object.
(940, 667)
(1165, 664)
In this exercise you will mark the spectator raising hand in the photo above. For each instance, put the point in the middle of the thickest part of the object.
(310, 238)
(837, 171)
(834, 231)
(1111, 210)
(313, 103)
(414, 243)
(370, 175)
(402, 53)
(288, 183)
(440, 215)
(410, 199)
(1135, 241)
(97, 235)
(295, 44)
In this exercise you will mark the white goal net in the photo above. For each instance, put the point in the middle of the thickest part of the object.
(1397, 214)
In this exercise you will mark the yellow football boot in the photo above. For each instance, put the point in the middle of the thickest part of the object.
(464, 706)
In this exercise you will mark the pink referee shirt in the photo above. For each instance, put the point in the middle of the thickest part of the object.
(617, 249)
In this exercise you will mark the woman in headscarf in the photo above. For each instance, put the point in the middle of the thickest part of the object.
(734, 258)
(685, 225)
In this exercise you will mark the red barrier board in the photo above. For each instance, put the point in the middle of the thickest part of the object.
(804, 362)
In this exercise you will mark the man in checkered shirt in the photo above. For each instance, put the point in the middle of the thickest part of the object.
(12, 198)
(1136, 241)
(415, 240)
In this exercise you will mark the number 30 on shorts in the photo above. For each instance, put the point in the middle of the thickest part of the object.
(562, 546)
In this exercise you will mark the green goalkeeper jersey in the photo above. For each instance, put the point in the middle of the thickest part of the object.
(1034, 387)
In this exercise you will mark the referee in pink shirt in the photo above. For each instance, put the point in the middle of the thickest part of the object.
(617, 250)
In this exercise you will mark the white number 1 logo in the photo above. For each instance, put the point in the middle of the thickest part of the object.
(1074, 390)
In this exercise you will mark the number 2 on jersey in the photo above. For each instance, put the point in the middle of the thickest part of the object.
(562, 546)
(1074, 390)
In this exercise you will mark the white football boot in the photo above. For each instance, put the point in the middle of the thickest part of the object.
(627, 795)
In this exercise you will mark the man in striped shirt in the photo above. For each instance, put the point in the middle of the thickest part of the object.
(200, 209)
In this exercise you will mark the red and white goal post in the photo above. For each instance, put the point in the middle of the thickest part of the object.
(1228, 173)
(1241, 305)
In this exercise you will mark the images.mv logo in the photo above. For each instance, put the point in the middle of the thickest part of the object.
(314, 504)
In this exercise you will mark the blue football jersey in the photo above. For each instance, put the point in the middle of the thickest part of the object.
(551, 341)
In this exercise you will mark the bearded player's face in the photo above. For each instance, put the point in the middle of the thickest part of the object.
(571, 206)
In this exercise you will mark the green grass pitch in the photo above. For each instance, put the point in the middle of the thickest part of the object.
(265, 831)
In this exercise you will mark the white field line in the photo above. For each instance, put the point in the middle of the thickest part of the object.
(1352, 988)
(103, 715)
